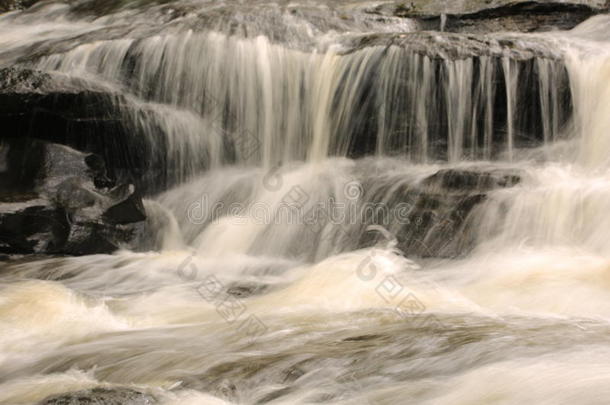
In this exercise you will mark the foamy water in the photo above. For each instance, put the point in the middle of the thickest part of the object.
(312, 314)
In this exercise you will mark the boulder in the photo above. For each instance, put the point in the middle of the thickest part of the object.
(56, 200)
(29, 223)
(431, 218)
(75, 112)
(102, 396)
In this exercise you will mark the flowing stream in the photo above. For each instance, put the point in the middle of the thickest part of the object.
(288, 129)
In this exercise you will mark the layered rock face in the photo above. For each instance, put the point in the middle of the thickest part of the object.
(56, 200)
(71, 111)
(480, 17)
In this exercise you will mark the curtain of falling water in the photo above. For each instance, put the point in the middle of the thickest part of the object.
(276, 104)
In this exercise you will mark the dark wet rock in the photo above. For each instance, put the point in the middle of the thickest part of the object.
(31, 224)
(52, 203)
(130, 208)
(448, 45)
(438, 7)
(461, 180)
(11, 5)
(362, 338)
(87, 238)
(86, 116)
(60, 109)
(245, 290)
(272, 396)
(433, 217)
(485, 16)
(523, 17)
(103, 7)
(102, 396)
(152, 233)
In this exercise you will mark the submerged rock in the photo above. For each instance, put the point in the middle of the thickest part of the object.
(56, 200)
(462, 180)
(102, 396)
(245, 290)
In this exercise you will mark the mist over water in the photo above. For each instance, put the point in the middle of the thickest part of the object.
(308, 248)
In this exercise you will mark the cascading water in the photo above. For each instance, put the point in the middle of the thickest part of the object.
(358, 211)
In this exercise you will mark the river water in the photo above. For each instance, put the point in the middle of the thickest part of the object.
(243, 301)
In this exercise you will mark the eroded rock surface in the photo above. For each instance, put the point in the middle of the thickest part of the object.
(434, 217)
(72, 111)
(485, 16)
(56, 200)
(102, 396)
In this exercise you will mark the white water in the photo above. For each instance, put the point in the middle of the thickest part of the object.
(522, 318)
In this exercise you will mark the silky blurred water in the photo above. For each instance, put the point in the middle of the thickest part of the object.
(243, 302)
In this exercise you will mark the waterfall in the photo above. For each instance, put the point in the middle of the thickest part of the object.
(343, 206)
(265, 103)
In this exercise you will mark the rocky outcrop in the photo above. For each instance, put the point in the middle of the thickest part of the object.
(455, 46)
(485, 16)
(464, 180)
(434, 217)
(56, 200)
(102, 396)
(61, 109)
(520, 17)
(11, 5)
(83, 115)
